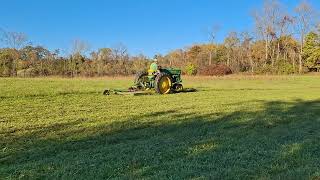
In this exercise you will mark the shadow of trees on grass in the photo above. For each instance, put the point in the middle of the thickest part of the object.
(279, 141)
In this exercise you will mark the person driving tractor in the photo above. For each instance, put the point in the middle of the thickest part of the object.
(153, 67)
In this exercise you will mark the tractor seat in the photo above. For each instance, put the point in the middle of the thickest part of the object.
(151, 72)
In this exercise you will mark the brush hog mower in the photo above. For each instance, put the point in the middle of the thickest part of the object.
(164, 81)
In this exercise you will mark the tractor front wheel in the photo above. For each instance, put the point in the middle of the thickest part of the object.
(163, 83)
(140, 79)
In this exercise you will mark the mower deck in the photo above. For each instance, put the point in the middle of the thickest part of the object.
(127, 92)
(139, 93)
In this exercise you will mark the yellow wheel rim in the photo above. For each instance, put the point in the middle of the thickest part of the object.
(165, 85)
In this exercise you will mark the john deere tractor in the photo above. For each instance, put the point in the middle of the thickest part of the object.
(164, 81)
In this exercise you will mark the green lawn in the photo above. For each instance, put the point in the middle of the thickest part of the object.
(232, 128)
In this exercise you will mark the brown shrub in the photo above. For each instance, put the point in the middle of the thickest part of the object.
(216, 70)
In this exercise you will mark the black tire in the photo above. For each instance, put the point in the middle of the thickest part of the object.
(139, 78)
(106, 92)
(178, 88)
(157, 84)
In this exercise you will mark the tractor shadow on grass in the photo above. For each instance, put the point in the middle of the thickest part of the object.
(281, 140)
(186, 90)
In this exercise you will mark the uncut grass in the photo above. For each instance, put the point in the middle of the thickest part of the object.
(235, 127)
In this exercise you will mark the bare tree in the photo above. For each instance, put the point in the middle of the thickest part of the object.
(266, 23)
(120, 57)
(304, 21)
(283, 27)
(212, 34)
(246, 47)
(79, 47)
(231, 42)
(120, 52)
(15, 40)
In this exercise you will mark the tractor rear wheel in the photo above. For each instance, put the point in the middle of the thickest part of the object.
(163, 83)
(140, 79)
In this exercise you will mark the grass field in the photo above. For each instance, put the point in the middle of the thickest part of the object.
(232, 128)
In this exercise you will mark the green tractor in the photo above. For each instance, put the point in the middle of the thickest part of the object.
(164, 81)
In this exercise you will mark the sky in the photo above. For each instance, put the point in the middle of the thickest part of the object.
(143, 26)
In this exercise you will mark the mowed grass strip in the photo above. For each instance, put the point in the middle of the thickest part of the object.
(236, 127)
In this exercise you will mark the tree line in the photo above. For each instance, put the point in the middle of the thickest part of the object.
(283, 42)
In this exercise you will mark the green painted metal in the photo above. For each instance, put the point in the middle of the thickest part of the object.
(174, 73)
(147, 85)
